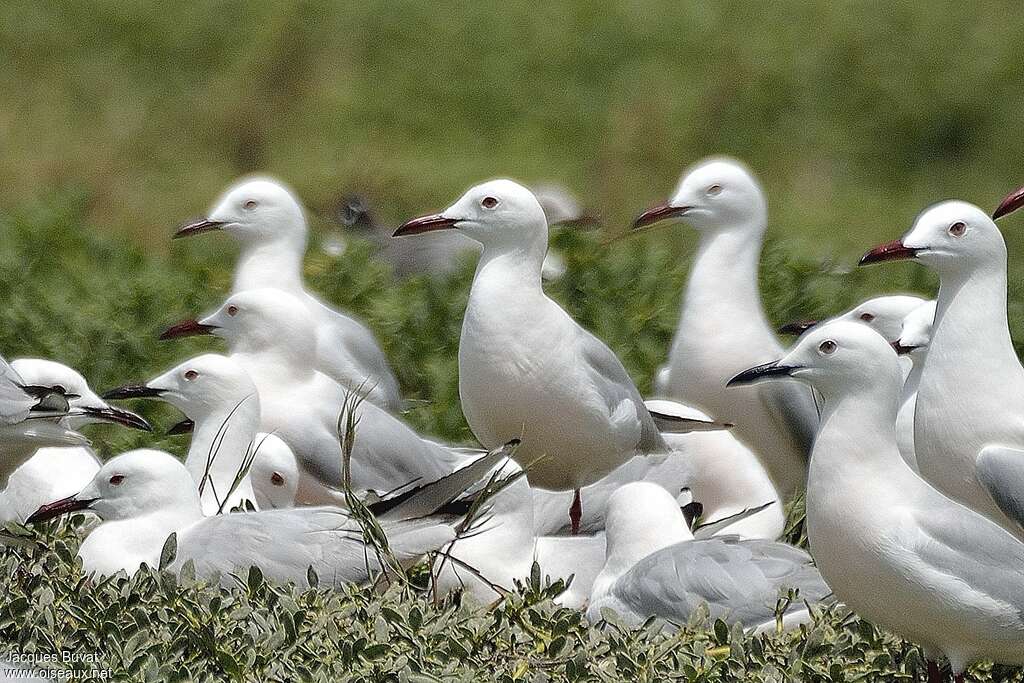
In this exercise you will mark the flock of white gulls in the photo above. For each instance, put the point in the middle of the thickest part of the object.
(902, 419)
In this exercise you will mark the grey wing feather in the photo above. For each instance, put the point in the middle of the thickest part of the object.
(616, 386)
(285, 543)
(794, 409)
(739, 581)
(1001, 471)
(973, 551)
(366, 353)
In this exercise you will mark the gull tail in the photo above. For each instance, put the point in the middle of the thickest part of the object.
(672, 417)
(429, 498)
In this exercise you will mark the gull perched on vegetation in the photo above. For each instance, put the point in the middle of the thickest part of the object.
(893, 547)
(969, 416)
(267, 219)
(526, 368)
(31, 417)
(272, 337)
(722, 326)
(655, 568)
(143, 496)
(219, 397)
(54, 472)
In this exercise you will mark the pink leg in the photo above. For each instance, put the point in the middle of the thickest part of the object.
(576, 512)
(934, 673)
(960, 678)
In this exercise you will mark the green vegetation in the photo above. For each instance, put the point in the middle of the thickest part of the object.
(119, 121)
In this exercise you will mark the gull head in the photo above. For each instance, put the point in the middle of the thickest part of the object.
(132, 484)
(273, 473)
(953, 238)
(717, 194)
(643, 517)
(201, 386)
(85, 406)
(883, 313)
(499, 214)
(260, 319)
(835, 358)
(916, 331)
(255, 210)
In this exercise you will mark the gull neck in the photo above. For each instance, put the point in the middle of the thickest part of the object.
(273, 263)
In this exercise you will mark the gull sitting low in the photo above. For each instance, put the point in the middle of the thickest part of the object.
(969, 416)
(269, 222)
(272, 337)
(500, 548)
(54, 472)
(143, 496)
(655, 568)
(31, 417)
(526, 369)
(219, 397)
(892, 547)
(722, 325)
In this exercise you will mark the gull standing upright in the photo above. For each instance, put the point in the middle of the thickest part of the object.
(526, 369)
(915, 335)
(271, 336)
(722, 326)
(969, 418)
(269, 222)
(219, 397)
(54, 472)
(892, 547)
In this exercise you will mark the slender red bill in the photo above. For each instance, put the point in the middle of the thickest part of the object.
(657, 214)
(186, 328)
(198, 227)
(890, 251)
(425, 224)
(58, 508)
(1010, 203)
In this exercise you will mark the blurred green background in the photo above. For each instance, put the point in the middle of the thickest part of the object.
(118, 122)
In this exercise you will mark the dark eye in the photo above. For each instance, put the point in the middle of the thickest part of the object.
(714, 190)
(232, 310)
(489, 202)
(116, 479)
(867, 317)
(250, 204)
(827, 347)
(191, 375)
(276, 479)
(958, 229)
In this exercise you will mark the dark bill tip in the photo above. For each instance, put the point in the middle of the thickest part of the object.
(186, 328)
(125, 418)
(797, 328)
(900, 349)
(197, 227)
(657, 214)
(58, 508)
(890, 251)
(183, 427)
(132, 391)
(760, 372)
(425, 224)
(1010, 203)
